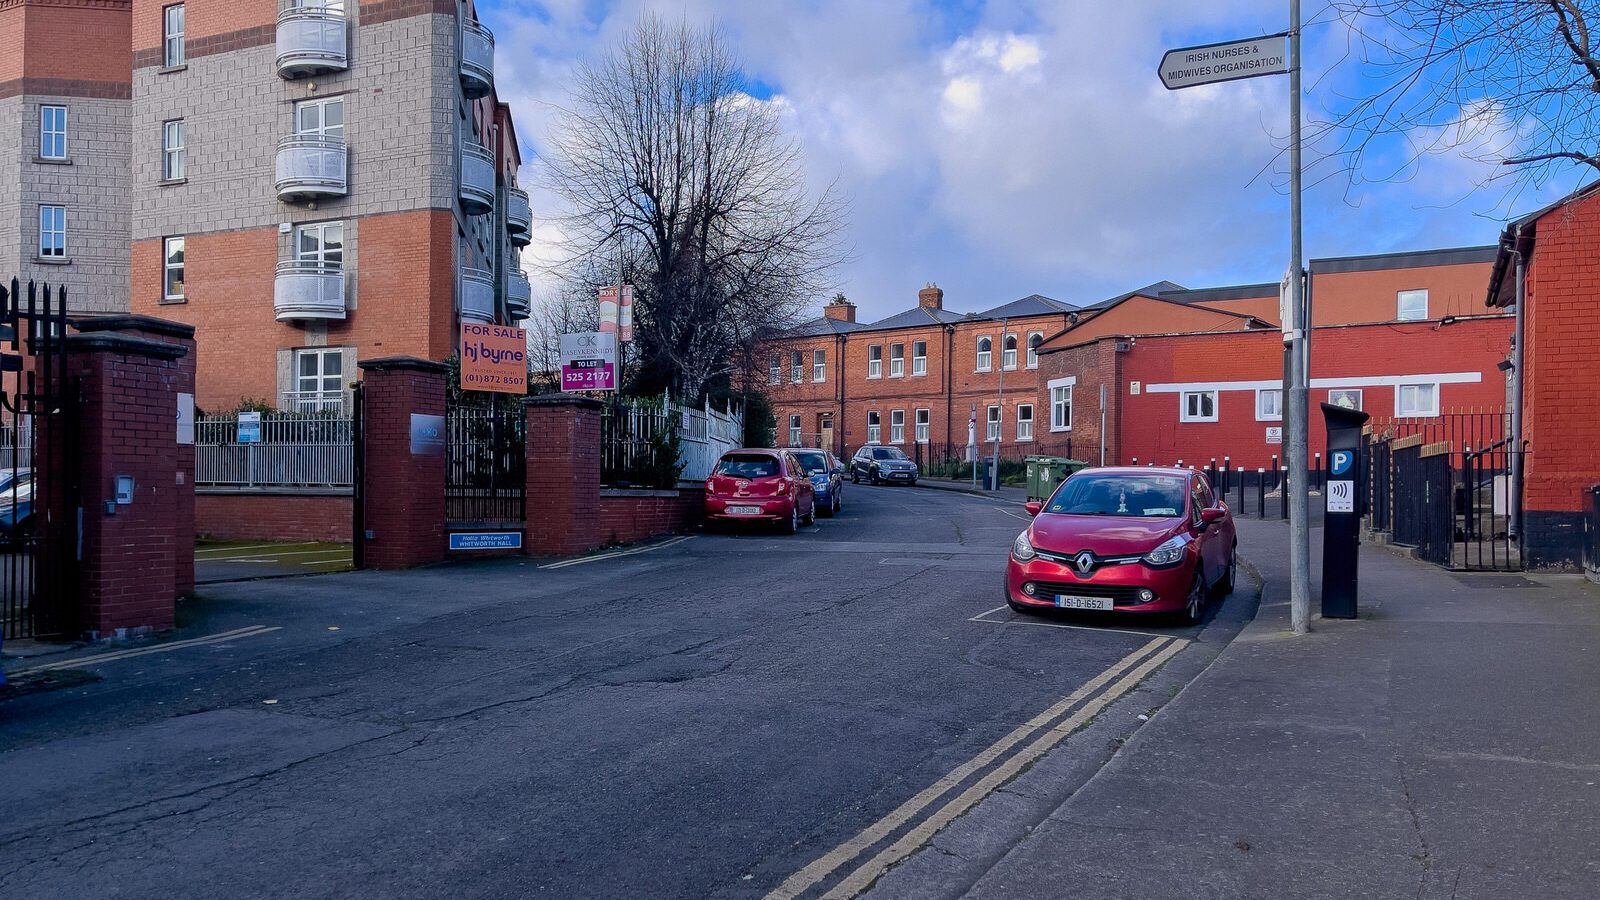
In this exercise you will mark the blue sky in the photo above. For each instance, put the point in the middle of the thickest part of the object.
(1010, 147)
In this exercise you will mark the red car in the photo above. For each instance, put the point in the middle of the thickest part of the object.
(1128, 540)
(760, 486)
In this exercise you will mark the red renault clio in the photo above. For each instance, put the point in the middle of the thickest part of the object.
(1127, 540)
(760, 486)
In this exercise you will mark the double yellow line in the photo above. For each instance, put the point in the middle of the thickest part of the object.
(1084, 704)
(81, 661)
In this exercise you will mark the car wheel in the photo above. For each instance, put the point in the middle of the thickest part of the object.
(792, 524)
(855, 477)
(826, 511)
(1230, 575)
(1195, 609)
(874, 476)
(810, 518)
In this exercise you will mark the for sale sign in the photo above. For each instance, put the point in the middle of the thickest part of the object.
(494, 358)
(589, 361)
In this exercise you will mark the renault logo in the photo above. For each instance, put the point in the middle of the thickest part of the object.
(1085, 562)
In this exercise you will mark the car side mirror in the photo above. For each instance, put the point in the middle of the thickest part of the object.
(1214, 514)
(1033, 507)
(838, 470)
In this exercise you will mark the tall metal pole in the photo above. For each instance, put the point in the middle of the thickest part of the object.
(1299, 418)
(1000, 398)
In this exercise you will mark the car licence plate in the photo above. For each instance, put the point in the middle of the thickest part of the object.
(744, 510)
(1067, 601)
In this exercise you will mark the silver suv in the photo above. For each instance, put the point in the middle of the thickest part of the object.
(879, 464)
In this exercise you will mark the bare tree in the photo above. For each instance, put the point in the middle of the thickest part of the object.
(1511, 82)
(673, 172)
(567, 310)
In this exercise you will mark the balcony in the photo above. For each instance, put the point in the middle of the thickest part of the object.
(311, 41)
(477, 178)
(477, 296)
(519, 216)
(305, 289)
(519, 297)
(477, 59)
(312, 401)
(311, 167)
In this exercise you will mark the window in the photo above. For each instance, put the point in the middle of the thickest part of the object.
(172, 152)
(874, 428)
(919, 358)
(897, 360)
(797, 367)
(1008, 353)
(985, 353)
(775, 369)
(993, 417)
(1035, 338)
(52, 232)
(875, 361)
(320, 118)
(923, 416)
(794, 431)
(1269, 405)
(1347, 399)
(1411, 305)
(53, 132)
(897, 426)
(172, 268)
(172, 35)
(1416, 400)
(321, 243)
(1198, 406)
(1025, 421)
(319, 374)
(1061, 403)
(819, 366)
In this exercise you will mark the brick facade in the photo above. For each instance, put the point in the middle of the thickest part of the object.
(405, 507)
(627, 516)
(563, 474)
(272, 516)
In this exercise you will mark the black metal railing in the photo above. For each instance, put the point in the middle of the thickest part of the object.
(937, 459)
(639, 444)
(486, 461)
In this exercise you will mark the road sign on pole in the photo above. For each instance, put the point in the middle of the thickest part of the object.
(1227, 61)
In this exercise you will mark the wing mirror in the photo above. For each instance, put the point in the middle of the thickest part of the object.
(1214, 514)
(1033, 507)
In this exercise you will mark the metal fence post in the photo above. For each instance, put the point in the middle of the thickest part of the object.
(1261, 493)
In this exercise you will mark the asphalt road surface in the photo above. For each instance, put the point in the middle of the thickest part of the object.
(722, 716)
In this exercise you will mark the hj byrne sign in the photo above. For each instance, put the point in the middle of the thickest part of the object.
(494, 358)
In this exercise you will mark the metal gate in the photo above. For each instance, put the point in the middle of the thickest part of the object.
(38, 510)
(486, 461)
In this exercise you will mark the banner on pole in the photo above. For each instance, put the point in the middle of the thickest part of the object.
(589, 361)
(625, 314)
(609, 309)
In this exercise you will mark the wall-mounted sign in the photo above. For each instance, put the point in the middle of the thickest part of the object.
(589, 361)
(427, 435)
(486, 540)
(494, 358)
(1341, 496)
(249, 428)
(1133, 388)
(185, 418)
(1275, 434)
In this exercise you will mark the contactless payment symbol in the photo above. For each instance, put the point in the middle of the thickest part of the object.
(1342, 461)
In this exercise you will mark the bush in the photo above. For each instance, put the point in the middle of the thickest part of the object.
(760, 425)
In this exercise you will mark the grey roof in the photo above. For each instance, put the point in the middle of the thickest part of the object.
(1031, 305)
(1232, 292)
(1149, 290)
(824, 325)
(917, 315)
(1410, 259)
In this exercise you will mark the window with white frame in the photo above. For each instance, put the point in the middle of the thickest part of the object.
(319, 375)
(875, 361)
(172, 35)
(797, 366)
(923, 416)
(992, 418)
(52, 132)
(1024, 421)
(320, 244)
(52, 232)
(1197, 406)
(1035, 338)
(173, 161)
(874, 427)
(794, 431)
(1411, 305)
(1416, 400)
(320, 118)
(1008, 352)
(172, 268)
(1345, 398)
(819, 366)
(897, 360)
(897, 426)
(775, 368)
(1269, 405)
(985, 353)
(919, 357)
(1061, 403)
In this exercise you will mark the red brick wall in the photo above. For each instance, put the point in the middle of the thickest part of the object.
(86, 43)
(629, 516)
(272, 517)
(405, 509)
(563, 474)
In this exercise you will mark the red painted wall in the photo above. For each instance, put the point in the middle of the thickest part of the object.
(272, 517)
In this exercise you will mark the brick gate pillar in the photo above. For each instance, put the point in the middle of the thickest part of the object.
(125, 427)
(563, 434)
(403, 400)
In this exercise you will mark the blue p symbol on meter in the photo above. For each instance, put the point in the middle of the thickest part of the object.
(1342, 461)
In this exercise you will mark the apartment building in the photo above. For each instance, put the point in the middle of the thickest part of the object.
(65, 94)
(315, 182)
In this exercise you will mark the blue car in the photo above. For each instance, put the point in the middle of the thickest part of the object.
(826, 473)
(16, 505)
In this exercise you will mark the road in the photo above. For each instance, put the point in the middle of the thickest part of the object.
(722, 716)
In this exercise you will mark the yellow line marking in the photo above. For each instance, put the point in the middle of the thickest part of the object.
(836, 858)
(267, 557)
(634, 552)
(200, 550)
(863, 877)
(113, 656)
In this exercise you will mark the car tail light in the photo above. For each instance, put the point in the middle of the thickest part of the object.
(783, 487)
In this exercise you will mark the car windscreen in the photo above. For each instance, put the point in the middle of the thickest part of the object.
(887, 453)
(1144, 496)
(813, 463)
(747, 465)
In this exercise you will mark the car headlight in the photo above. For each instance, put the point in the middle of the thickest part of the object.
(1170, 551)
(1022, 548)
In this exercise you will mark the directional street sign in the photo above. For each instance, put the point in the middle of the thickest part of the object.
(1228, 61)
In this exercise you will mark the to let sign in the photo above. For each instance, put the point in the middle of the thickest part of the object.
(589, 361)
(1227, 61)
(494, 358)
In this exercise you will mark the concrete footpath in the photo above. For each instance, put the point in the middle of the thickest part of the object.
(1444, 744)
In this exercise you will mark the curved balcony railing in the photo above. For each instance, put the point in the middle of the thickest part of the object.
(477, 296)
(311, 166)
(519, 296)
(477, 59)
(477, 178)
(519, 216)
(312, 41)
(308, 290)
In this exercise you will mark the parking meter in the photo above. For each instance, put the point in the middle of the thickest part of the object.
(1345, 502)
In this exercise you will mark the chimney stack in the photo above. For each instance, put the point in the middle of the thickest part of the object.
(840, 309)
(931, 297)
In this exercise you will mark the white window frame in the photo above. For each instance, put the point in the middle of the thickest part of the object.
(985, 361)
(922, 418)
(1008, 352)
(993, 432)
(1400, 410)
(174, 151)
(1061, 402)
(167, 267)
(1355, 392)
(874, 427)
(797, 366)
(775, 368)
(794, 430)
(319, 380)
(1263, 415)
(1401, 298)
(1024, 423)
(1035, 338)
(919, 361)
(52, 224)
(897, 426)
(1183, 406)
(49, 133)
(322, 129)
(897, 360)
(321, 254)
(172, 35)
(819, 366)
(874, 360)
